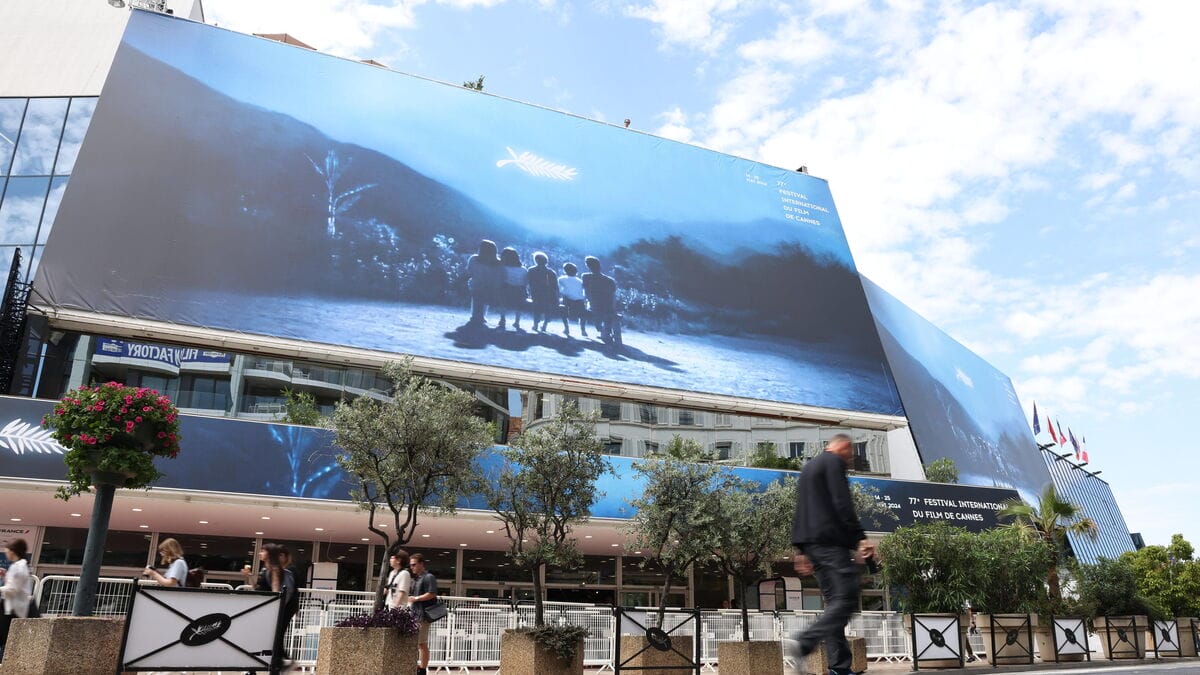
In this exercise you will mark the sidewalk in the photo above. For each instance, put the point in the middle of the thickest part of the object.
(981, 667)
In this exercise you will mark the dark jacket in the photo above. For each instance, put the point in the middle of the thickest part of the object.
(824, 509)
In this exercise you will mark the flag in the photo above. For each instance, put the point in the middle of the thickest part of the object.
(1062, 438)
(1073, 441)
(1050, 428)
(1037, 426)
(1084, 441)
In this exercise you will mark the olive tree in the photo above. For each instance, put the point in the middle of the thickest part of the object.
(679, 515)
(545, 488)
(756, 531)
(416, 451)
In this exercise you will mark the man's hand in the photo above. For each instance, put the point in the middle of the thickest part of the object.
(803, 565)
(866, 550)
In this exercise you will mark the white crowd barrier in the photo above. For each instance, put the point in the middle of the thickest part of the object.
(469, 637)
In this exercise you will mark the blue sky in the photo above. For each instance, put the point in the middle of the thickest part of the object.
(1022, 173)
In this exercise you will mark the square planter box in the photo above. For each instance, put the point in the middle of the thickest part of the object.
(817, 663)
(520, 654)
(750, 658)
(652, 659)
(69, 645)
(1012, 635)
(1128, 641)
(1045, 640)
(963, 625)
(365, 651)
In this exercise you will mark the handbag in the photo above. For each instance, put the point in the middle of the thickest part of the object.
(33, 612)
(436, 612)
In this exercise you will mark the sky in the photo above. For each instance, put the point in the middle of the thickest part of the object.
(1023, 174)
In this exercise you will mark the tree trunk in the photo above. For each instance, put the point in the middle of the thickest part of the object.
(539, 616)
(1052, 582)
(93, 552)
(740, 593)
(381, 593)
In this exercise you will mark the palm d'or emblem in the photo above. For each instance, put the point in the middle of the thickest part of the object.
(1070, 636)
(537, 166)
(936, 637)
(1011, 637)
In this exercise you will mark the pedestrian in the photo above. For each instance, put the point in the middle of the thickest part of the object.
(170, 553)
(399, 582)
(483, 281)
(514, 288)
(601, 292)
(574, 302)
(17, 589)
(543, 290)
(832, 545)
(278, 578)
(424, 596)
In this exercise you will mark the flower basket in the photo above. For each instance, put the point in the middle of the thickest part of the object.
(369, 643)
(112, 434)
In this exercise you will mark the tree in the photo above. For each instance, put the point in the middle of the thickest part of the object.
(1110, 588)
(415, 452)
(766, 457)
(872, 513)
(942, 470)
(337, 201)
(1049, 521)
(546, 488)
(678, 515)
(300, 407)
(476, 84)
(756, 531)
(1167, 576)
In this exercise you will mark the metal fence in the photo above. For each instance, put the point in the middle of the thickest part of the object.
(469, 637)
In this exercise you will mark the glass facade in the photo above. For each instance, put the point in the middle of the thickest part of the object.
(39, 141)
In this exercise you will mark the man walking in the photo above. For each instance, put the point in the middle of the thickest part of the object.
(831, 544)
(424, 595)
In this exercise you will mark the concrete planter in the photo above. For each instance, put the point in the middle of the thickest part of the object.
(817, 663)
(71, 645)
(933, 664)
(1044, 636)
(1012, 638)
(365, 651)
(750, 658)
(1128, 641)
(521, 654)
(1188, 639)
(655, 661)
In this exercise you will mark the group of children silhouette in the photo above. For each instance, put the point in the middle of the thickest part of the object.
(499, 282)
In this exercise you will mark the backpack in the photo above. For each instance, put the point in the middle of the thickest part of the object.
(195, 577)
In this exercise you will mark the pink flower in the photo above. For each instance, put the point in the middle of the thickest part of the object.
(116, 418)
(162, 434)
(128, 427)
(146, 408)
(138, 418)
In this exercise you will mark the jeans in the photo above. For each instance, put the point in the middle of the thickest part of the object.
(838, 574)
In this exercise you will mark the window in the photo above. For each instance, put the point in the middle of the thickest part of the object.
(492, 566)
(539, 405)
(596, 569)
(796, 449)
(723, 450)
(722, 420)
(612, 446)
(64, 546)
(610, 410)
(214, 553)
(159, 383)
(204, 392)
(648, 414)
(687, 418)
(649, 448)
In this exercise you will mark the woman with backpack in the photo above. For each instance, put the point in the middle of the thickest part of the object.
(171, 555)
(278, 578)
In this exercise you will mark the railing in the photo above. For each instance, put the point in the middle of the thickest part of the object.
(470, 634)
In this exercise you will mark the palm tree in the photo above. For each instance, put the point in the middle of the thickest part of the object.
(1051, 520)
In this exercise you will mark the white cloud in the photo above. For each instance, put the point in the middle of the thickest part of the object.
(700, 24)
(793, 43)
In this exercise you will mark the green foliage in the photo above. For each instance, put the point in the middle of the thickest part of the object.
(684, 449)
(548, 486)
(1110, 588)
(1168, 577)
(476, 84)
(413, 453)
(766, 457)
(931, 566)
(942, 470)
(873, 513)
(300, 407)
(115, 429)
(562, 640)
(1010, 572)
(678, 517)
(1049, 521)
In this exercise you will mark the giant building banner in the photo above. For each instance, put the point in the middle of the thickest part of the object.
(959, 406)
(236, 183)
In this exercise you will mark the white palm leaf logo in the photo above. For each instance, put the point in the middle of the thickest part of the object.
(538, 166)
(22, 437)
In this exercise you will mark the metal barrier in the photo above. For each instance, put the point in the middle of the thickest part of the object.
(469, 637)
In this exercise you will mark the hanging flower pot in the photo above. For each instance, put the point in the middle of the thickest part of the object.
(112, 434)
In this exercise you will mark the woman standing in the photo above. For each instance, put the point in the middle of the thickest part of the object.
(277, 578)
(171, 555)
(17, 589)
(399, 583)
(513, 295)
